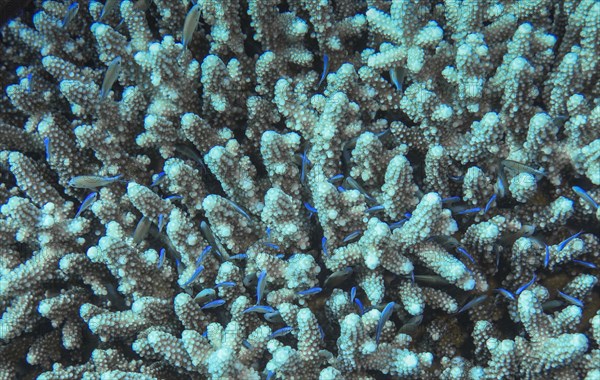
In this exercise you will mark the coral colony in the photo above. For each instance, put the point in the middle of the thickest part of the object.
(300, 189)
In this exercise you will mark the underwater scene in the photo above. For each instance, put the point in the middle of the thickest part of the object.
(299, 189)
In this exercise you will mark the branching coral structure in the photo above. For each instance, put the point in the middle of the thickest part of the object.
(298, 189)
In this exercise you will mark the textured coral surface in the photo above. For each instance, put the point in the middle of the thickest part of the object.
(300, 189)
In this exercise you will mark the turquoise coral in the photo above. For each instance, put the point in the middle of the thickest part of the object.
(444, 145)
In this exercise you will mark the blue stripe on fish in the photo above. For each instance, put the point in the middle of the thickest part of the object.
(571, 299)
(263, 309)
(161, 258)
(213, 304)
(260, 286)
(351, 235)
(203, 254)
(310, 208)
(526, 285)
(564, 243)
(489, 204)
(465, 253)
(474, 302)
(505, 293)
(325, 69)
(194, 275)
(361, 308)
(310, 291)
(383, 318)
(586, 264)
(469, 211)
(281, 332)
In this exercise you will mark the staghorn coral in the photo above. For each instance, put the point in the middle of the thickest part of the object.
(304, 189)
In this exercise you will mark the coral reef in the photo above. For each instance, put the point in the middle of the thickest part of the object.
(285, 189)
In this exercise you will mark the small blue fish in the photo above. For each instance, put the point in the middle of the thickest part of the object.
(239, 256)
(525, 286)
(203, 254)
(109, 5)
(305, 161)
(464, 252)
(500, 184)
(239, 209)
(412, 276)
(505, 293)
(341, 189)
(274, 317)
(190, 25)
(336, 178)
(70, 14)
(361, 308)
(268, 233)
(47, 146)
(174, 197)
(385, 315)
(489, 203)
(352, 294)
(87, 202)
(456, 178)
(225, 284)
(397, 79)
(564, 243)
(547, 256)
(321, 332)
(29, 82)
(161, 222)
(571, 299)
(585, 196)
(324, 246)
(407, 215)
(383, 133)
(281, 332)
(474, 302)
(356, 186)
(325, 69)
(141, 230)
(213, 304)
(451, 200)
(161, 258)
(270, 375)
(260, 286)
(194, 276)
(469, 211)
(398, 224)
(205, 333)
(190, 153)
(310, 291)
(338, 277)
(111, 75)
(516, 166)
(160, 177)
(280, 256)
(246, 344)
(92, 181)
(351, 236)
(270, 245)
(375, 209)
(310, 208)
(586, 264)
(263, 309)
